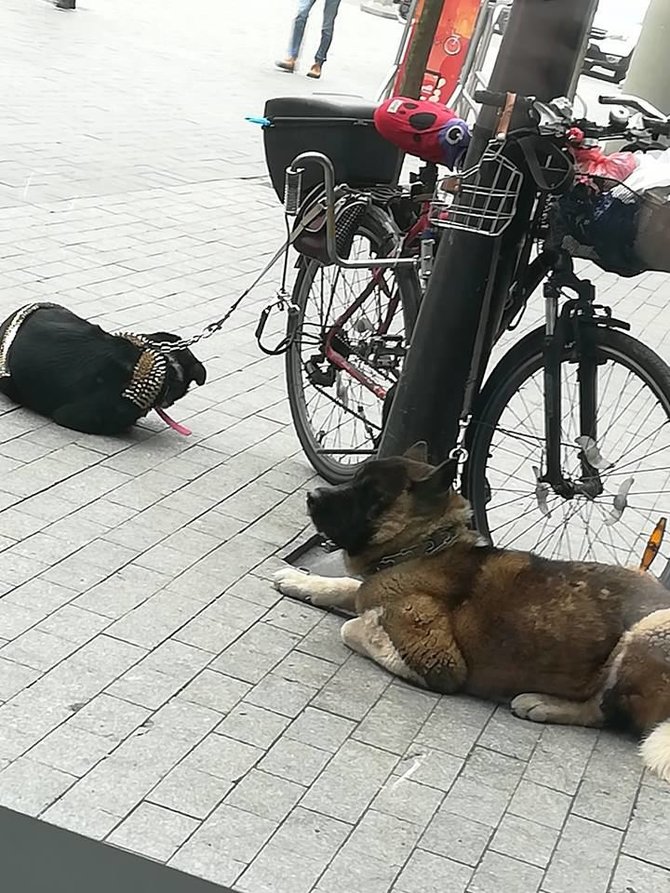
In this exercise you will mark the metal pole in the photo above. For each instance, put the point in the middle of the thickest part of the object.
(420, 47)
(572, 89)
(461, 100)
(542, 47)
(649, 73)
(384, 91)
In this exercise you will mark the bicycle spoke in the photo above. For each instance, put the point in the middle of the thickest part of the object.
(633, 435)
(341, 414)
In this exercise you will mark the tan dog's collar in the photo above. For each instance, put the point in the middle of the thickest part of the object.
(439, 539)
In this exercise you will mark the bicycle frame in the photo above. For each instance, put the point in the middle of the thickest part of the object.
(377, 267)
(341, 362)
(513, 276)
(576, 322)
(523, 267)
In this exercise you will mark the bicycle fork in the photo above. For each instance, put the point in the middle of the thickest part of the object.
(560, 330)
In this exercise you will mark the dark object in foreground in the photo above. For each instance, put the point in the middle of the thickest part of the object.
(64, 367)
(568, 642)
(65, 4)
(37, 857)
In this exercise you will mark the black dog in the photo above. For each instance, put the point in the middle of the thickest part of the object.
(68, 369)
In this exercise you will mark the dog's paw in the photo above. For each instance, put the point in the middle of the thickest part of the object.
(532, 706)
(292, 582)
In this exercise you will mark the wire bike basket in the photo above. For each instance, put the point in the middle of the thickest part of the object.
(482, 199)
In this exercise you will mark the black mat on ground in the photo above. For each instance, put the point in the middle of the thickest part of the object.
(314, 555)
(36, 857)
(318, 557)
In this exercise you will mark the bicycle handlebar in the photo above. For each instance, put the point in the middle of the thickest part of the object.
(657, 128)
(507, 103)
(651, 118)
(490, 98)
(628, 101)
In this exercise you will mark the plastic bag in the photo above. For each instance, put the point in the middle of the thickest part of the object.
(617, 166)
(653, 171)
(624, 227)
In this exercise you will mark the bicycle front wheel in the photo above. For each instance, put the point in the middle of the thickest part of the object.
(347, 351)
(507, 458)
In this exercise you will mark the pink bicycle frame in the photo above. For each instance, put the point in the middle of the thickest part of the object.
(411, 239)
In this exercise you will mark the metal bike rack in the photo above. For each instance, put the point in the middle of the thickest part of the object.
(292, 194)
(471, 78)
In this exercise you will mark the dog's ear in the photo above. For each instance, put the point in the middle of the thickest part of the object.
(198, 373)
(438, 481)
(418, 452)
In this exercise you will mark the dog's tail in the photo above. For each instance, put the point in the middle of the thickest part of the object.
(655, 750)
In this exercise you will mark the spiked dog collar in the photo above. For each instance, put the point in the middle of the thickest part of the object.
(14, 324)
(148, 379)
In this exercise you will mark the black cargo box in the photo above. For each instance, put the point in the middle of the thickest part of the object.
(340, 127)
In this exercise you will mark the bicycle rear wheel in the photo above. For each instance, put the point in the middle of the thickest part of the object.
(633, 421)
(347, 351)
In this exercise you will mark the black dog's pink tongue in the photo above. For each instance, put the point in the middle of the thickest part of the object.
(176, 426)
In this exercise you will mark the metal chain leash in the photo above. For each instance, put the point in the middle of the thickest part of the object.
(282, 301)
(213, 327)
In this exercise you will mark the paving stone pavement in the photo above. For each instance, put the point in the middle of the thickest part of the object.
(155, 692)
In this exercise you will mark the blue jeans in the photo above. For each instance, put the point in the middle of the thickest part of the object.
(329, 13)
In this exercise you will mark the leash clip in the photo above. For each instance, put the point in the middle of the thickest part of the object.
(459, 453)
(282, 303)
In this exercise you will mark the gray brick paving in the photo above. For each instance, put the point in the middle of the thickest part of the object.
(155, 691)
(457, 837)
(584, 857)
(161, 831)
(496, 872)
(373, 855)
(428, 873)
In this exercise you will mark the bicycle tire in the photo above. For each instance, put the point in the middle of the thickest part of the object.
(376, 227)
(515, 369)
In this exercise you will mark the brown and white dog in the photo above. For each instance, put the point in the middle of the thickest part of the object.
(567, 642)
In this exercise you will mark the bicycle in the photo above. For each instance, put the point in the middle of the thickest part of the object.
(568, 492)
(568, 478)
(347, 345)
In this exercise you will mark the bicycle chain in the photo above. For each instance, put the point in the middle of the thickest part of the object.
(339, 402)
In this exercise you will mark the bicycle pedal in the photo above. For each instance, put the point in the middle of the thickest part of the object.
(324, 378)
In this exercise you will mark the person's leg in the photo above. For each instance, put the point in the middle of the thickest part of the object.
(329, 14)
(297, 34)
